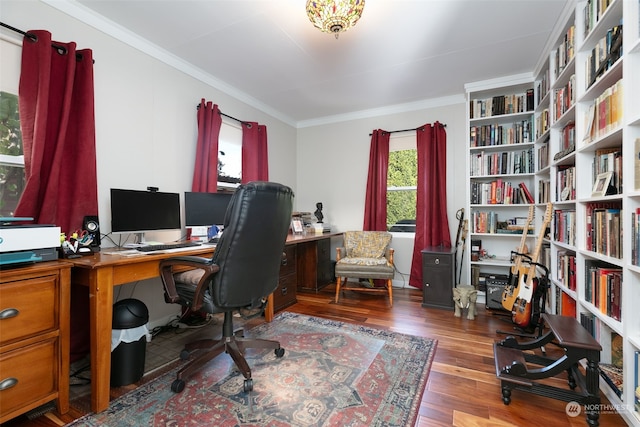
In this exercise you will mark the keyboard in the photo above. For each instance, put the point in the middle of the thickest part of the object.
(168, 246)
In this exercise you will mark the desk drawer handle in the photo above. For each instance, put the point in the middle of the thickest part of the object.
(8, 383)
(8, 313)
(437, 261)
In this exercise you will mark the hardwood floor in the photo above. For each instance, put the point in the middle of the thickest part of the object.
(462, 389)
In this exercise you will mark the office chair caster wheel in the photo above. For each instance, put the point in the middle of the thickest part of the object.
(184, 355)
(248, 385)
(279, 352)
(177, 386)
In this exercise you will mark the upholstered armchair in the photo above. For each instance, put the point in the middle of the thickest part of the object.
(365, 255)
(243, 272)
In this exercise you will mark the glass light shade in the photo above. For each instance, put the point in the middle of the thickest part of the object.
(334, 16)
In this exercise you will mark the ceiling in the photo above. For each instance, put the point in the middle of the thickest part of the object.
(401, 52)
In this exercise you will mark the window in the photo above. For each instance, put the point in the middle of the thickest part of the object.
(402, 183)
(12, 180)
(229, 155)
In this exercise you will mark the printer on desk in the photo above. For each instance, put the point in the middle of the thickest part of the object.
(24, 243)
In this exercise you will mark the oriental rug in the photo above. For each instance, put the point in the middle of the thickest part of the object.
(332, 374)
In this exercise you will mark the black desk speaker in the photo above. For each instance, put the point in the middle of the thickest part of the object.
(91, 224)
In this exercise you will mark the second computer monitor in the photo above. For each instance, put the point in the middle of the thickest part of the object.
(205, 209)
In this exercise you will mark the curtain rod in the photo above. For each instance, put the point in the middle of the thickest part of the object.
(34, 38)
(407, 130)
(228, 116)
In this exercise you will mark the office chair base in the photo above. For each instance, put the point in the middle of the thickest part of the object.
(234, 346)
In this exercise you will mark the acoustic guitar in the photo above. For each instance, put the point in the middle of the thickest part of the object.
(521, 311)
(510, 292)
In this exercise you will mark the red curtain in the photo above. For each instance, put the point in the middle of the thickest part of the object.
(58, 132)
(255, 160)
(375, 205)
(205, 173)
(432, 224)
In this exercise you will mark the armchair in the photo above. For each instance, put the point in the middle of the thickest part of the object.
(365, 255)
(242, 273)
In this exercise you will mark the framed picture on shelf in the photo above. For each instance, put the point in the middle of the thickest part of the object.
(601, 185)
(297, 226)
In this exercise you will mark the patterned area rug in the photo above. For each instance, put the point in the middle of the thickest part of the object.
(332, 374)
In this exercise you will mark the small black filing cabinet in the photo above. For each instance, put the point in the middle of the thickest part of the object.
(438, 277)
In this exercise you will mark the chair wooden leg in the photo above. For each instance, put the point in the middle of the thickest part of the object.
(390, 288)
(338, 281)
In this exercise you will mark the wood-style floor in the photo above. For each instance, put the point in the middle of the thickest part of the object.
(462, 388)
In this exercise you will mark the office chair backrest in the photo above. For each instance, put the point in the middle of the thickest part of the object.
(249, 253)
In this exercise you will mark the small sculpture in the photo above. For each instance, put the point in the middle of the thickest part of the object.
(465, 297)
(318, 212)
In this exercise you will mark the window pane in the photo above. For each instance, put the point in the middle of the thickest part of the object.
(401, 190)
(11, 159)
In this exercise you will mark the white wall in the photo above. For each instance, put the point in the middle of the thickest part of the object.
(332, 162)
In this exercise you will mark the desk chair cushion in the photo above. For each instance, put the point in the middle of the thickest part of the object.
(366, 244)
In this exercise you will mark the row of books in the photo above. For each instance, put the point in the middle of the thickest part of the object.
(564, 97)
(543, 123)
(566, 268)
(604, 54)
(604, 228)
(603, 287)
(542, 86)
(544, 191)
(543, 154)
(565, 305)
(605, 113)
(564, 226)
(499, 192)
(507, 162)
(609, 160)
(488, 222)
(566, 183)
(497, 134)
(504, 104)
(566, 51)
(593, 11)
(635, 237)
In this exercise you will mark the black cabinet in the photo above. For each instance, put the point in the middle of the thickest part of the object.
(438, 277)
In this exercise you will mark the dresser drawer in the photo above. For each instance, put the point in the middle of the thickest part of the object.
(33, 370)
(29, 307)
(436, 260)
(290, 263)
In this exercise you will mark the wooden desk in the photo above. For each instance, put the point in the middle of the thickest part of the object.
(101, 272)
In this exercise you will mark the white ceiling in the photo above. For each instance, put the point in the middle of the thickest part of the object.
(400, 52)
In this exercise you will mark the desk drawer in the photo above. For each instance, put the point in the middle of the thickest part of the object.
(34, 369)
(290, 266)
(34, 302)
(285, 293)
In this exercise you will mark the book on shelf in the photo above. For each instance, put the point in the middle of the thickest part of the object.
(566, 271)
(612, 363)
(635, 237)
(527, 193)
(603, 287)
(637, 380)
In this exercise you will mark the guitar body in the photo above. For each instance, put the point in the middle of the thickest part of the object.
(522, 311)
(510, 293)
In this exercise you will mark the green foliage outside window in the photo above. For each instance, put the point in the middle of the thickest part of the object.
(403, 172)
(11, 177)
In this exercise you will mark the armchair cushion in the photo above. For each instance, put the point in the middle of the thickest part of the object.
(366, 244)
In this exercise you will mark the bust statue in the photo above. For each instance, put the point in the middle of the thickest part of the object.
(318, 212)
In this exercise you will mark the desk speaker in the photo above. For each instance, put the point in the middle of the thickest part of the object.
(91, 224)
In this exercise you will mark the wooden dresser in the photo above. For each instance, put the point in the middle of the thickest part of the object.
(34, 337)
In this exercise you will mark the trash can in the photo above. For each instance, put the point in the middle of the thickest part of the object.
(128, 341)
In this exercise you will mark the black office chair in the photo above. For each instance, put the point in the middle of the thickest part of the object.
(242, 273)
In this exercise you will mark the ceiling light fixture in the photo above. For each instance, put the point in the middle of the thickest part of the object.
(334, 16)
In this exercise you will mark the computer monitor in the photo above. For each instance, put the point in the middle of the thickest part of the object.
(205, 209)
(134, 211)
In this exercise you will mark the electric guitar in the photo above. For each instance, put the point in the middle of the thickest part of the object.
(521, 310)
(510, 293)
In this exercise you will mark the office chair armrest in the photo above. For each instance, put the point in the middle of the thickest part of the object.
(167, 271)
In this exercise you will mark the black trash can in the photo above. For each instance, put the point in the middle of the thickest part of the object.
(130, 317)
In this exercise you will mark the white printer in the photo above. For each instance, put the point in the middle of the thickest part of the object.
(23, 243)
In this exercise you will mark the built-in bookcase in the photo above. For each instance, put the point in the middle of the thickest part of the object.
(586, 145)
